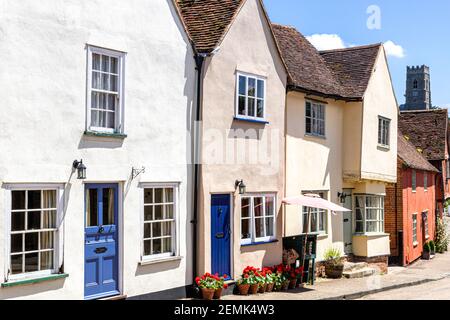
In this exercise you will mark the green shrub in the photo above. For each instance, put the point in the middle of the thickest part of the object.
(427, 247)
(333, 256)
(432, 246)
(442, 239)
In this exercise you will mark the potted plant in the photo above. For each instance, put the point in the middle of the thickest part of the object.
(334, 263)
(208, 285)
(261, 279)
(433, 248)
(220, 286)
(426, 254)
(270, 279)
(243, 285)
(249, 275)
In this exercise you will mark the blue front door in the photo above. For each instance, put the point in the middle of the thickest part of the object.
(101, 239)
(220, 234)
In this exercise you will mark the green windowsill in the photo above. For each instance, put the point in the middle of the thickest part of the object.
(36, 280)
(105, 135)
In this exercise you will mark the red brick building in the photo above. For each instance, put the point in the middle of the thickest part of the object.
(428, 131)
(410, 205)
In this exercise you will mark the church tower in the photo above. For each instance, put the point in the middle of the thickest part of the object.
(418, 89)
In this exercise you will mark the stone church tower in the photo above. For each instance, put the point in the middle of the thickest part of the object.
(418, 89)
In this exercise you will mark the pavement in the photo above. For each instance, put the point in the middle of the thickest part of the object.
(432, 275)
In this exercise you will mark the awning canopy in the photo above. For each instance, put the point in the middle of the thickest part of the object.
(314, 201)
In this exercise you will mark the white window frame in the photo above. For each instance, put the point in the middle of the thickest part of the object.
(316, 212)
(364, 215)
(414, 229)
(384, 132)
(426, 224)
(58, 240)
(119, 112)
(316, 105)
(253, 239)
(176, 228)
(246, 116)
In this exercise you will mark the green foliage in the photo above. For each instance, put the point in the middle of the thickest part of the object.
(333, 254)
(432, 246)
(442, 239)
(427, 247)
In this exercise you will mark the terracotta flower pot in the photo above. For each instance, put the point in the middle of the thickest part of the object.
(292, 283)
(270, 287)
(262, 288)
(207, 294)
(285, 285)
(254, 288)
(243, 289)
(218, 294)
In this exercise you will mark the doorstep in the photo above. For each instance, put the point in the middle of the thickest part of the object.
(114, 298)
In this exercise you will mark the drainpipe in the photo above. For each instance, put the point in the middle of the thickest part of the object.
(199, 61)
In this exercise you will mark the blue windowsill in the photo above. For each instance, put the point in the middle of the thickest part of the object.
(259, 243)
(251, 120)
(105, 135)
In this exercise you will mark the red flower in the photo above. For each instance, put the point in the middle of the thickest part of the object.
(225, 286)
(246, 276)
(225, 276)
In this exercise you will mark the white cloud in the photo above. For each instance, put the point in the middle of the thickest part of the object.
(394, 50)
(334, 41)
(326, 41)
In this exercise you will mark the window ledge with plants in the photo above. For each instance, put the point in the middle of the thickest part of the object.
(27, 281)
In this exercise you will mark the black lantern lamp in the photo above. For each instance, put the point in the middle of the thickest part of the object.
(342, 197)
(242, 187)
(81, 169)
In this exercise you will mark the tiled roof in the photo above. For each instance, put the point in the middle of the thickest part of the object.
(353, 67)
(411, 157)
(341, 73)
(207, 21)
(426, 130)
(307, 69)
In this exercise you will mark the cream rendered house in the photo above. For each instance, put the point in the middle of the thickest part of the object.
(341, 142)
(242, 114)
(111, 83)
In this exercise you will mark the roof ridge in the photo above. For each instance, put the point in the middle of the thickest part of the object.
(368, 46)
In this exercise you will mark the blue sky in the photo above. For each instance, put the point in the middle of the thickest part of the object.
(418, 33)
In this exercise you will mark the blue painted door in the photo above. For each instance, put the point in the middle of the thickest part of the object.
(220, 234)
(101, 241)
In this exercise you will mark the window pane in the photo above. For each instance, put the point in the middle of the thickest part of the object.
(314, 225)
(166, 229)
(148, 196)
(47, 260)
(168, 195)
(371, 226)
(159, 213)
(245, 207)
(258, 203)
(159, 195)
(97, 80)
(105, 82)
(49, 219)
(241, 107)
(147, 230)
(260, 108)
(16, 243)
(372, 214)
(32, 241)
(114, 80)
(308, 125)
(18, 200)
(270, 210)
(18, 221)
(91, 209)
(167, 245)
(251, 107)
(105, 63)
(322, 219)
(95, 122)
(156, 229)
(359, 227)
(34, 199)
(16, 264)
(308, 109)
(47, 240)
(245, 229)
(169, 211)
(157, 246)
(110, 104)
(108, 206)
(148, 213)
(147, 247)
(305, 223)
(49, 199)
(259, 227)
(260, 89)
(32, 262)
(34, 220)
(270, 227)
(251, 87)
(96, 61)
(242, 85)
(359, 215)
(114, 65)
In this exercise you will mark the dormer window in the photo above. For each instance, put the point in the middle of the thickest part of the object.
(250, 97)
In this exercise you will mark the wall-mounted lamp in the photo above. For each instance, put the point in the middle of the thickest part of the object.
(81, 169)
(136, 172)
(343, 196)
(242, 187)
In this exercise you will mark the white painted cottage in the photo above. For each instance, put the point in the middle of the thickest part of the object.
(112, 84)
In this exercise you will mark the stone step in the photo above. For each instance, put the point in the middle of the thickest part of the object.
(360, 273)
(352, 266)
